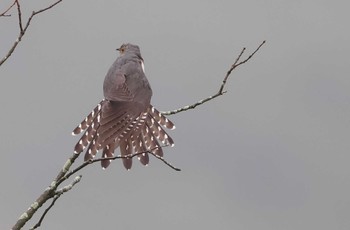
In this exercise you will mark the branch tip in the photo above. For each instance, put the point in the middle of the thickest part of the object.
(221, 91)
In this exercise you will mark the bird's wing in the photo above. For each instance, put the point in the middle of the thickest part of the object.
(115, 87)
(126, 82)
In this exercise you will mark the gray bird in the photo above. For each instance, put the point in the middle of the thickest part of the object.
(125, 118)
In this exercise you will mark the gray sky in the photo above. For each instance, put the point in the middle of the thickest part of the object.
(272, 153)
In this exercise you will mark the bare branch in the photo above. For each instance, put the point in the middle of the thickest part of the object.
(46, 195)
(86, 163)
(55, 198)
(27, 215)
(221, 89)
(61, 177)
(22, 30)
(4, 14)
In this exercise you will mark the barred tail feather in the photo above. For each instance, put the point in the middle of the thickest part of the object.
(89, 135)
(140, 147)
(161, 119)
(151, 142)
(88, 120)
(126, 149)
(108, 151)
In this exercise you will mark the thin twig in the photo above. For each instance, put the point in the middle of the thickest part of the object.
(55, 198)
(3, 14)
(164, 161)
(46, 8)
(86, 163)
(19, 13)
(230, 70)
(45, 212)
(24, 29)
(222, 86)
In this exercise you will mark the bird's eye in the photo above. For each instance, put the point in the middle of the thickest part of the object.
(121, 49)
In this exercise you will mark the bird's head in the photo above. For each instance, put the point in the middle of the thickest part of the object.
(129, 48)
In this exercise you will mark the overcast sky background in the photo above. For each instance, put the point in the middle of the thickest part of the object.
(272, 153)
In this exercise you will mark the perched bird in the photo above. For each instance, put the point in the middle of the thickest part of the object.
(125, 117)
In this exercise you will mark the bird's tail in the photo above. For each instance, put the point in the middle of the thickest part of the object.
(149, 137)
(143, 137)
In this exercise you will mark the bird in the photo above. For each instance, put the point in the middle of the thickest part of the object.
(125, 117)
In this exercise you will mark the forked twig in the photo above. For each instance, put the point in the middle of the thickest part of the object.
(22, 29)
(4, 14)
(221, 89)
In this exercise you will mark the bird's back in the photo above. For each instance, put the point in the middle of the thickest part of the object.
(125, 118)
